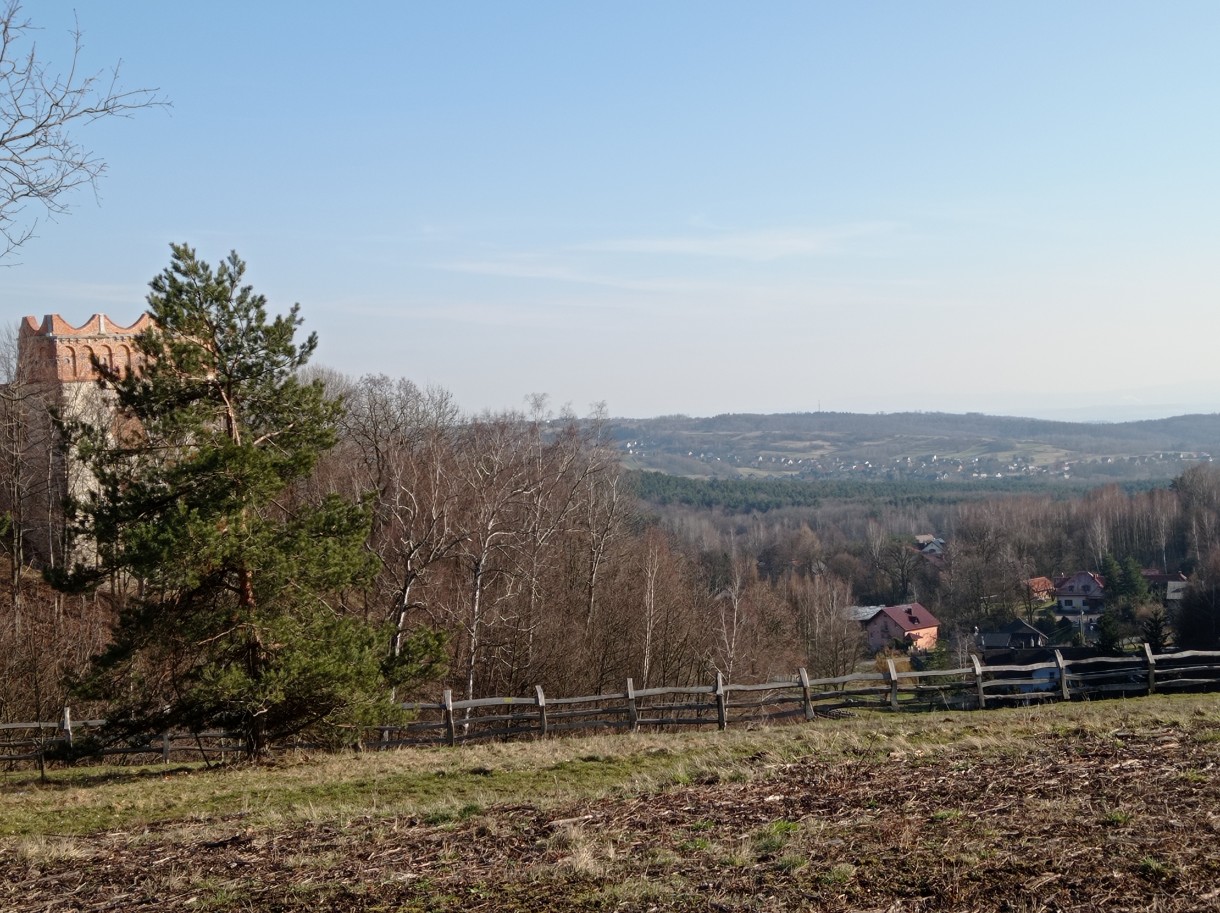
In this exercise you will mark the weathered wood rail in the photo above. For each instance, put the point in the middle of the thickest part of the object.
(720, 704)
(35, 742)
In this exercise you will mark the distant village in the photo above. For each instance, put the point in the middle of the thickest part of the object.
(931, 467)
(1064, 612)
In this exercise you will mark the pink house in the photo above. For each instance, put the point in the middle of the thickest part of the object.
(909, 623)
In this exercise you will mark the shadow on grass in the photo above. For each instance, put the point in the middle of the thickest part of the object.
(92, 777)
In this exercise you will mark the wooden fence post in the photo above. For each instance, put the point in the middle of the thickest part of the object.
(450, 729)
(1151, 668)
(978, 680)
(65, 726)
(722, 708)
(541, 699)
(806, 697)
(633, 719)
(1065, 692)
(892, 674)
(165, 743)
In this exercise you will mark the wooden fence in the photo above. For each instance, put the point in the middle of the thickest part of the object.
(38, 742)
(720, 704)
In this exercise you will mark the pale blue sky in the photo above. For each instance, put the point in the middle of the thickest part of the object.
(694, 207)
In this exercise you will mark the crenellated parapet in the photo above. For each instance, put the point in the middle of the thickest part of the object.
(56, 351)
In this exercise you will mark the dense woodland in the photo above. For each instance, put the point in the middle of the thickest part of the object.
(520, 539)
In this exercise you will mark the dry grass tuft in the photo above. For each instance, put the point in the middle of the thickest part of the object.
(39, 850)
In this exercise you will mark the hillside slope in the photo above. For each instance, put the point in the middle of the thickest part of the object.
(1103, 806)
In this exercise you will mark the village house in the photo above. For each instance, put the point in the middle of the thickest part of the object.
(1165, 587)
(1175, 590)
(1040, 590)
(909, 624)
(1081, 593)
(1016, 635)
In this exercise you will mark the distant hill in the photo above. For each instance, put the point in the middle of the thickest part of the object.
(925, 446)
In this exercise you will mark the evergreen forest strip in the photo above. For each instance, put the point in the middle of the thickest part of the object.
(763, 495)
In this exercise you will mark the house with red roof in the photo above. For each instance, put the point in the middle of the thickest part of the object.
(1080, 593)
(909, 623)
(1167, 587)
(1040, 590)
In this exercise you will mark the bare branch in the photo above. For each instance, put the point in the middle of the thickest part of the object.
(40, 158)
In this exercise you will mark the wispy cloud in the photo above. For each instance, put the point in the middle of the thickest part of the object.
(769, 244)
(458, 311)
(555, 271)
(595, 262)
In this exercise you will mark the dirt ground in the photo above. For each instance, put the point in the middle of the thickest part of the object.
(1083, 821)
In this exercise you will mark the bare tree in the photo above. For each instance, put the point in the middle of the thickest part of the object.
(987, 575)
(46, 638)
(651, 575)
(1163, 509)
(831, 640)
(40, 158)
(734, 608)
(494, 488)
(400, 440)
(674, 634)
(556, 462)
(603, 508)
(893, 561)
(30, 519)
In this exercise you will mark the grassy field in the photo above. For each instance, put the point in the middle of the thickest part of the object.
(1103, 806)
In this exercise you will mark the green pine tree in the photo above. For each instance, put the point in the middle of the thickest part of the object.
(1112, 576)
(1197, 623)
(1155, 630)
(236, 626)
(1135, 584)
(1109, 634)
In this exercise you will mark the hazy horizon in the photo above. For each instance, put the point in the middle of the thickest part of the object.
(1098, 411)
(1088, 415)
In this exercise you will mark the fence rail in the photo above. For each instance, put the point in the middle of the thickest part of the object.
(721, 704)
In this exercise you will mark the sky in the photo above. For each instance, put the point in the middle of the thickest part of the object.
(676, 207)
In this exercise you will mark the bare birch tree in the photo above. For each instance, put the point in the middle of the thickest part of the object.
(402, 439)
(493, 488)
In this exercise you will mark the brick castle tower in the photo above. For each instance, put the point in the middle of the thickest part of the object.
(55, 375)
(56, 352)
